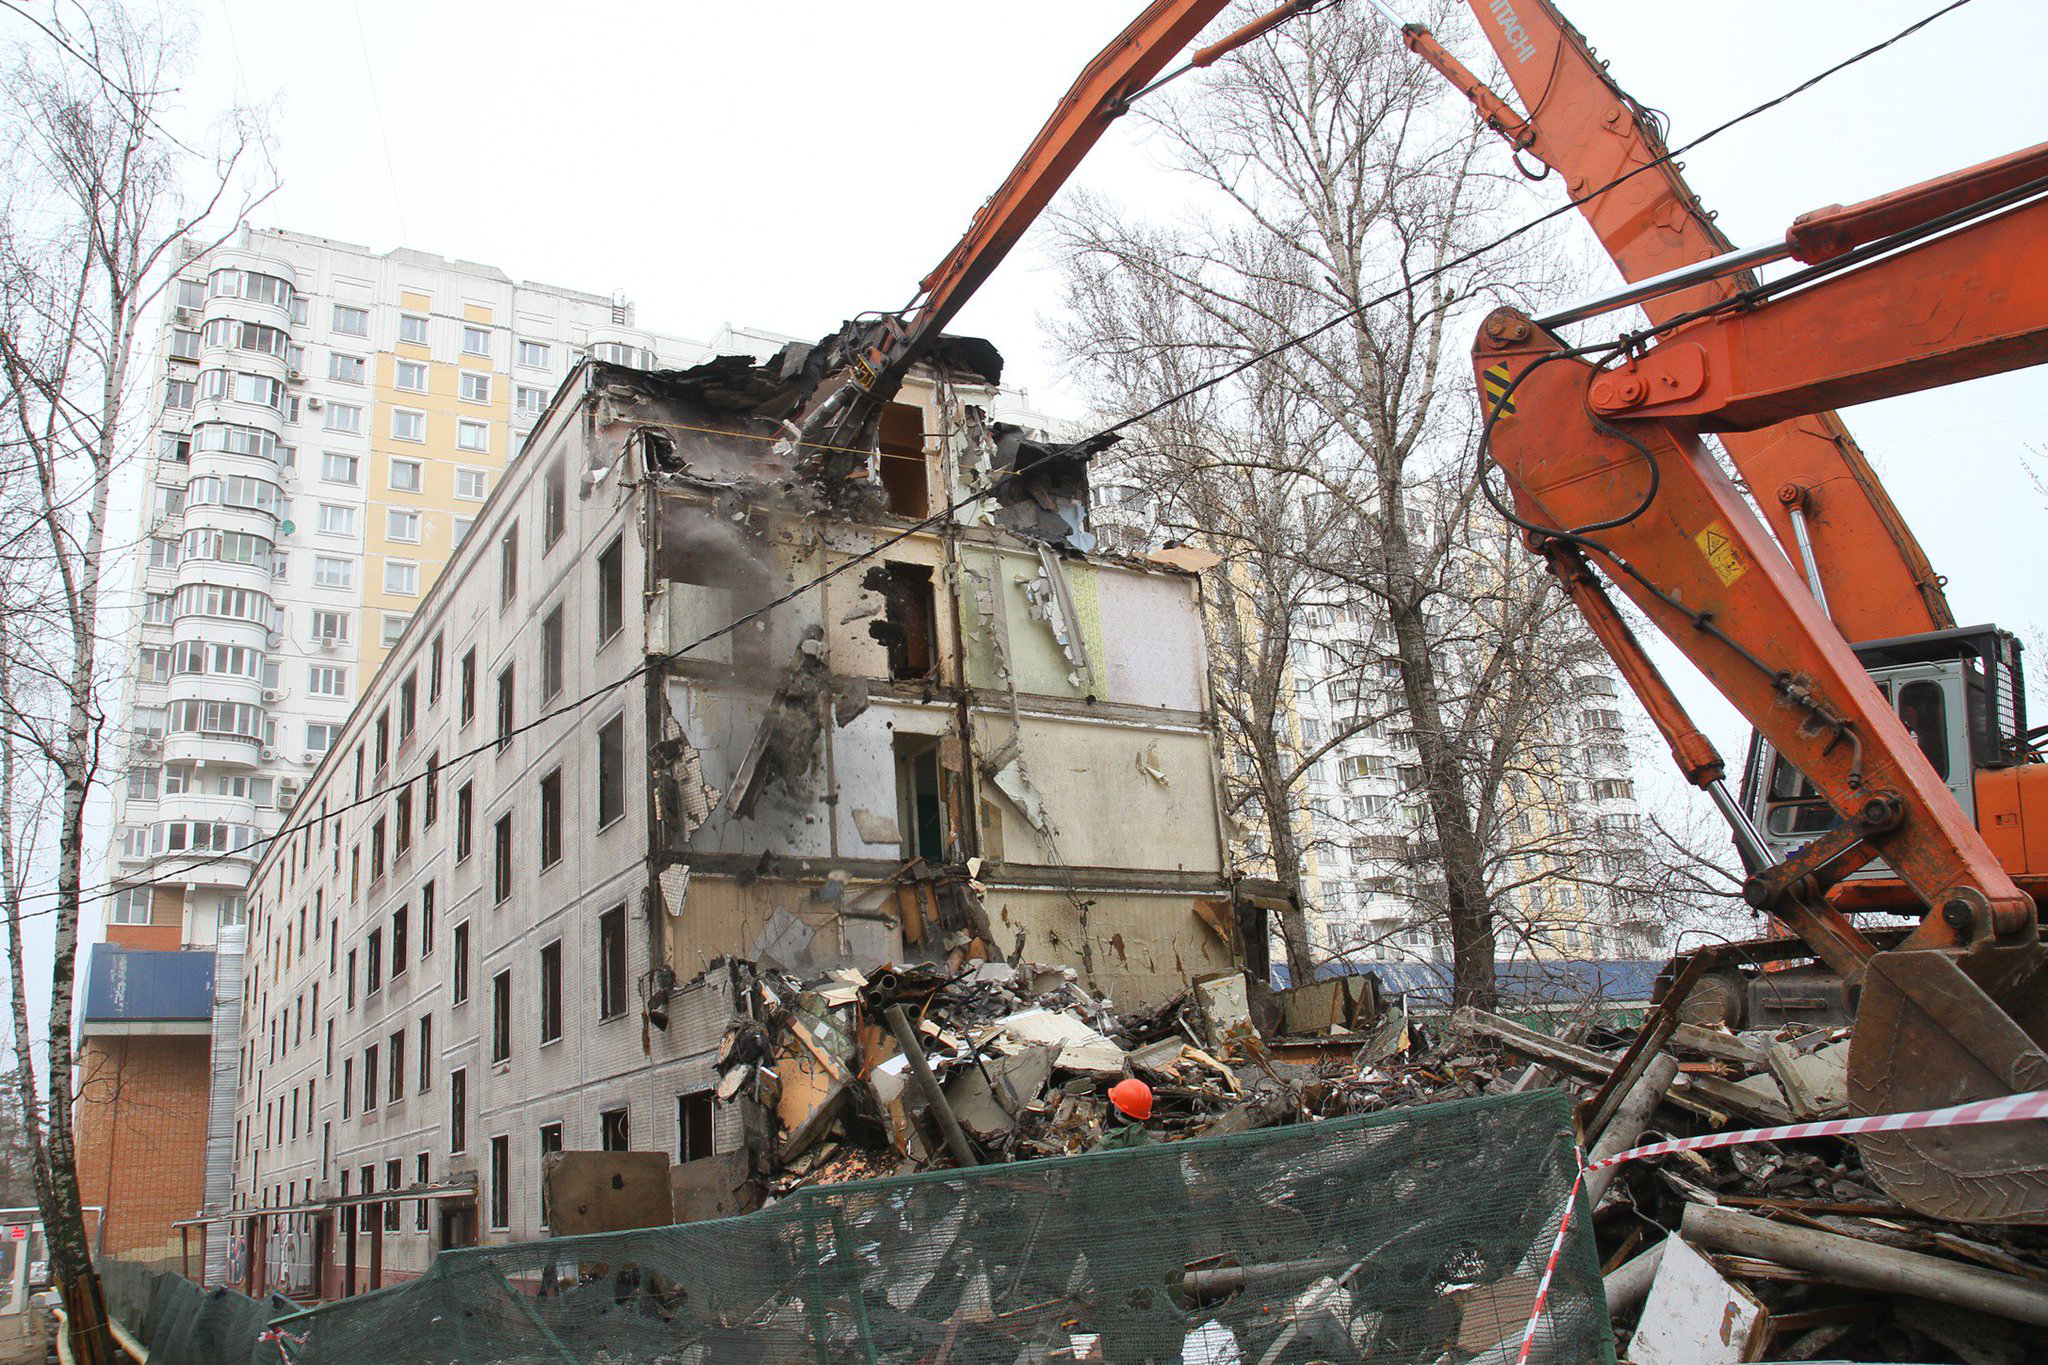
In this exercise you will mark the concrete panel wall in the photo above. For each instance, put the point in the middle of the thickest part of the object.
(778, 920)
(721, 724)
(1152, 638)
(1144, 947)
(1104, 808)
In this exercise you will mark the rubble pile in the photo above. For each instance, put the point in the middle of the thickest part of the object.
(1785, 1249)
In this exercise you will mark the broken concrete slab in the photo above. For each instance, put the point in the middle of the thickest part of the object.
(1226, 1009)
(606, 1191)
(1697, 1316)
(986, 1097)
(1081, 1048)
(1814, 1085)
(713, 1187)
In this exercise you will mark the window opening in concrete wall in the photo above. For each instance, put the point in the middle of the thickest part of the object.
(551, 992)
(550, 1143)
(501, 1182)
(615, 1130)
(908, 627)
(902, 461)
(693, 1126)
(501, 1017)
(458, 1110)
(611, 962)
(920, 808)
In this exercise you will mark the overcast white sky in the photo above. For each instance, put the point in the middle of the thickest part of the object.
(788, 165)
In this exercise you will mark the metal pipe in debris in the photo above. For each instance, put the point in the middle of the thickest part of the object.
(921, 1069)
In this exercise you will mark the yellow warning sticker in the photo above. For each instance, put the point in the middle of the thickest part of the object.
(1721, 553)
(1498, 400)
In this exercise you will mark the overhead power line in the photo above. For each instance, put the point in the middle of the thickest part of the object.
(107, 889)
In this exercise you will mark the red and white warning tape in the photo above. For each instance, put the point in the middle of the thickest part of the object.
(2008, 1109)
(287, 1342)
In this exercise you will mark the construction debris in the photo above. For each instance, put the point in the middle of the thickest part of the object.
(1719, 1254)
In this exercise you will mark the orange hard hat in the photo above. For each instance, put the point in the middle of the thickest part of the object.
(1133, 1097)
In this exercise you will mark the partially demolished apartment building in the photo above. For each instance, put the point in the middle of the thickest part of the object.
(622, 751)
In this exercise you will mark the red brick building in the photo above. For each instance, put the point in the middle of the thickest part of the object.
(144, 1058)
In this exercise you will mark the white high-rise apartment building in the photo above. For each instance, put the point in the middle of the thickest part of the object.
(1567, 854)
(330, 421)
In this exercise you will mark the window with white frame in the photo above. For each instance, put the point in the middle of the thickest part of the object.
(329, 572)
(459, 530)
(408, 425)
(336, 468)
(402, 526)
(327, 680)
(402, 577)
(131, 906)
(320, 736)
(412, 329)
(353, 322)
(533, 354)
(529, 401)
(184, 345)
(473, 435)
(472, 484)
(348, 369)
(476, 341)
(476, 388)
(337, 520)
(410, 375)
(394, 626)
(331, 626)
(345, 417)
(405, 475)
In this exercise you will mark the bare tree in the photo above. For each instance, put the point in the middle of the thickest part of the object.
(103, 202)
(1338, 197)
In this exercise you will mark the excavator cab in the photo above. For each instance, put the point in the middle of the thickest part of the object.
(1961, 696)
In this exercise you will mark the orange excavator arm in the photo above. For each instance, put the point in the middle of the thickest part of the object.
(1609, 476)
(875, 355)
(1822, 500)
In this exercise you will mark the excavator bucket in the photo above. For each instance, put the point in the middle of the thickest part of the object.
(1938, 1028)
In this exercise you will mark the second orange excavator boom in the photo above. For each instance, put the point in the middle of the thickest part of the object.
(1824, 503)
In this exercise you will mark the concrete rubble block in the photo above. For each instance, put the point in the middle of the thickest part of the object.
(987, 1097)
(1081, 1048)
(1697, 1316)
(713, 1187)
(606, 1191)
(1226, 1009)
(1813, 1085)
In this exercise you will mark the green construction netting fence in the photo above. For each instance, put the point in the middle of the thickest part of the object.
(183, 1324)
(1417, 1235)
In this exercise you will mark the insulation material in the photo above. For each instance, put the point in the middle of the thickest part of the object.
(1052, 602)
(1013, 645)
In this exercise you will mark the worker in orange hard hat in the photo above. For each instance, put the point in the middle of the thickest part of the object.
(1131, 1100)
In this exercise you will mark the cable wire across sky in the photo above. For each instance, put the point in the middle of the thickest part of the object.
(109, 888)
